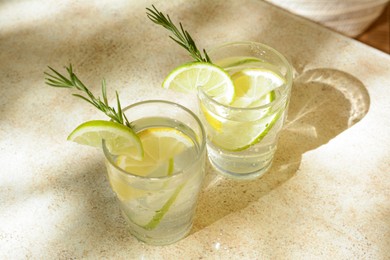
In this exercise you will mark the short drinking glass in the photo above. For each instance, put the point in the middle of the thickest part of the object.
(158, 194)
(242, 136)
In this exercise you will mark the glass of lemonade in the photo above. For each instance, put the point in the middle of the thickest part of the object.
(158, 193)
(242, 135)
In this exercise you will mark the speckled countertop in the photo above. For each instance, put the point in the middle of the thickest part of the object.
(327, 195)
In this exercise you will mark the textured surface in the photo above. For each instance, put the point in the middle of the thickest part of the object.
(326, 196)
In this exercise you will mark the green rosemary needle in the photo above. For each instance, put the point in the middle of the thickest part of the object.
(182, 37)
(72, 81)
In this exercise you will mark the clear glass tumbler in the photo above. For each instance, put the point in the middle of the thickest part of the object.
(158, 195)
(242, 136)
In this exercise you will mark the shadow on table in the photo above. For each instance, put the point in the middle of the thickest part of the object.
(324, 102)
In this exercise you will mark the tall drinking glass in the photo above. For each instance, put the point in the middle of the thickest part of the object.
(242, 136)
(158, 194)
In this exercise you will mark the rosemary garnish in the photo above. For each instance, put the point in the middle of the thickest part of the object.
(182, 37)
(60, 81)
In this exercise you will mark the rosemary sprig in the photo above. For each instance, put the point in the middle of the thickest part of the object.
(182, 37)
(72, 81)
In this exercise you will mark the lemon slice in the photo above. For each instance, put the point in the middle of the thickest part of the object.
(213, 120)
(121, 187)
(215, 82)
(254, 87)
(161, 145)
(119, 138)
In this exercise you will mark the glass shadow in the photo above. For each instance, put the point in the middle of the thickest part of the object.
(324, 102)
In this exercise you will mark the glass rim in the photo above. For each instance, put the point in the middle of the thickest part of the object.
(273, 50)
(277, 102)
(175, 174)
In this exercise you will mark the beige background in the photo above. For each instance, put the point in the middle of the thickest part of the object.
(326, 196)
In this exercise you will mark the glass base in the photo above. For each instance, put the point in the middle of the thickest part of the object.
(157, 238)
(241, 176)
(244, 165)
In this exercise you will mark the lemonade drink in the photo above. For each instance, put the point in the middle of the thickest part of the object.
(158, 194)
(242, 134)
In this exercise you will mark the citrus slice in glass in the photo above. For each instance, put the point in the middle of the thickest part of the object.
(213, 120)
(215, 82)
(238, 136)
(254, 87)
(119, 139)
(161, 146)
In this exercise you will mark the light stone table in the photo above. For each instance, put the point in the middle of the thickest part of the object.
(327, 195)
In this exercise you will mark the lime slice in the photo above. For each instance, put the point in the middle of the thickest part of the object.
(238, 136)
(254, 87)
(215, 82)
(119, 138)
(153, 223)
(161, 145)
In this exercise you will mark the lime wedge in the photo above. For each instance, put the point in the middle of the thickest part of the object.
(215, 82)
(254, 87)
(119, 138)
